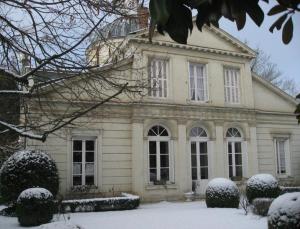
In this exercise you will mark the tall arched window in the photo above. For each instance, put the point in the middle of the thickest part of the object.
(159, 154)
(199, 153)
(234, 149)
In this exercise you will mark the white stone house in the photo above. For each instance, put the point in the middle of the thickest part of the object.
(209, 116)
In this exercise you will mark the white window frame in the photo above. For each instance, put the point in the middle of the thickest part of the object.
(199, 140)
(232, 141)
(163, 81)
(84, 139)
(287, 157)
(233, 87)
(205, 82)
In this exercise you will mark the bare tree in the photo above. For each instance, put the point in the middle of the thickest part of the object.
(43, 51)
(265, 68)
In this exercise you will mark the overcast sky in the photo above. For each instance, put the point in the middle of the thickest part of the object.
(287, 57)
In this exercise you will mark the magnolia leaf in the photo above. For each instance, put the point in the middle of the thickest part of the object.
(277, 9)
(287, 31)
(278, 23)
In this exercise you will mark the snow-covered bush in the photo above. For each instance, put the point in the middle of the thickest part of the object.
(262, 186)
(222, 193)
(284, 212)
(35, 206)
(124, 202)
(27, 169)
(261, 206)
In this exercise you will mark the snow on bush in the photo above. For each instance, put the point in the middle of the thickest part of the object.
(284, 212)
(262, 186)
(60, 225)
(35, 206)
(222, 193)
(125, 202)
(27, 169)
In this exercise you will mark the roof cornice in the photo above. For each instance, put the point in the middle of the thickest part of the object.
(191, 47)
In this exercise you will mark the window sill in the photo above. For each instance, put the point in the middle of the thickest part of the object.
(195, 102)
(161, 187)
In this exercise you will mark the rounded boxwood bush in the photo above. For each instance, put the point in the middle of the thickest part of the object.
(284, 212)
(262, 186)
(27, 169)
(222, 193)
(35, 206)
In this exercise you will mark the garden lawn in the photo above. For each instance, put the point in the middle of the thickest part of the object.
(163, 215)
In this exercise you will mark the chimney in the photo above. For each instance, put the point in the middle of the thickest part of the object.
(143, 17)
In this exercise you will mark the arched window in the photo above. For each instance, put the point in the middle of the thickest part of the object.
(159, 154)
(234, 149)
(199, 153)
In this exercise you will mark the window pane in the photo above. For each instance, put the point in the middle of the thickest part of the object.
(152, 161)
(193, 147)
(153, 175)
(89, 168)
(203, 160)
(77, 168)
(194, 174)
(77, 145)
(238, 159)
(152, 147)
(230, 159)
(194, 160)
(90, 145)
(229, 147)
(76, 180)
(89, 156)
(89, 180)
(77, 157)
(239, 171)
(164, 148)
(230, 171)
(164, 174)
(238, 147)
(203, 147)
(164, 161)
(204, 173)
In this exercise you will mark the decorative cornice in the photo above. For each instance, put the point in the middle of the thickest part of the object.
(192, 47)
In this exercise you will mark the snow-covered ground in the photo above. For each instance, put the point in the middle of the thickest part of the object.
(163, 215)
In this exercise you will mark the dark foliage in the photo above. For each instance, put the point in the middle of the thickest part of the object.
(27, 169)
(261, 206)
(175, 18)
(33, 211)
(284, 190)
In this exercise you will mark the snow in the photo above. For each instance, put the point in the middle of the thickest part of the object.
(38, 193)
(60, 225)
(163, 215)
(124, 196)
(285, 206)
(222, 185)
(263, 181)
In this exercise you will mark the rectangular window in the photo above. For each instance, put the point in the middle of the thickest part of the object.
(281, 147)
(198, 82)
(232, 85)
(158, 78)
(83, 154)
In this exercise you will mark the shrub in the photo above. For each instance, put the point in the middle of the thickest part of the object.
(262, 186)
(222, 193)
(284, 190)
(27, 169)
(126, 202)
(35, 206)
(261, 206)
(284, 212)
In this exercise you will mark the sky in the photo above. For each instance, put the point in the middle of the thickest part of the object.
(287, 57)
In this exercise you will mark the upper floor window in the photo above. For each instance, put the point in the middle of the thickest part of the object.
(83, 158)
(232, 85)
(158, 74)
(282, 156)
(198, 82)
